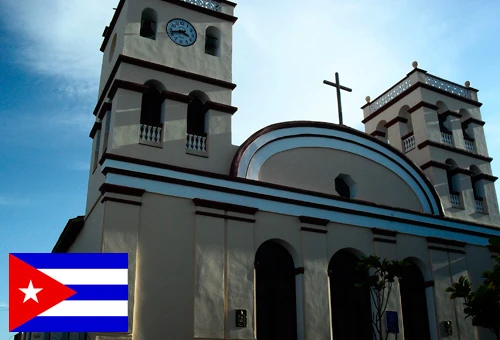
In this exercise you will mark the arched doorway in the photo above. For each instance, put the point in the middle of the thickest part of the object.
(275, 293)
(350, 306)
(414, 304)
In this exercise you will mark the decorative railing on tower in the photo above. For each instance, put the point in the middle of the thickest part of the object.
(447, 86)
(150, 133)
(479, 204)
(455, 200)
(395, 91)
(409, 143)
(196, 143)
(469, 145)
(208, 4)
(446, 138)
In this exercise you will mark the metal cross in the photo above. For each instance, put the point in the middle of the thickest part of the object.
(339, 87)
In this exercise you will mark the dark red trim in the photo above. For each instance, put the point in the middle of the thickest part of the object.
(384, 232)
(428, 284)
(96, 127)
(451, 113)
(451, 95)
(69, 234)
(120, 200)
(203, 10)
(446, 242)
(225, 217)
(324, 125)
(420, 105)
(314, 220)
(449, 250)
(175, 96)
(453, 149)
(409, 134)
(473, 120)
(230, 3)
(221, 107)
(104, 108)
(395, 120)
(377, 133)
(384, 240)
(299, 270)
(126, 85)
(314, 230)
(122, 190)
(485, 177)
(111, 27)
(434, 164)
(224, 206)
(461, 171)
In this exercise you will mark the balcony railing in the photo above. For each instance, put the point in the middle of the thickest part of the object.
(447, 86)
(409, 143)
(150, 133)
(455, 200)
(196, 143)
(446, 138)
(469, 145)
(209, 4)
(479, 205)
(395, 91)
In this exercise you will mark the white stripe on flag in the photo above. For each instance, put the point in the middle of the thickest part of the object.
(88, 308)
(88, 276)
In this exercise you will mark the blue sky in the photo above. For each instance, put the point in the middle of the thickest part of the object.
(50, 63)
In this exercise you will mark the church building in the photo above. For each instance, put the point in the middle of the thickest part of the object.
(260, 241)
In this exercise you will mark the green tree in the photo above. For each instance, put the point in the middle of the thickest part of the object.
(379, 276)
(483, 304)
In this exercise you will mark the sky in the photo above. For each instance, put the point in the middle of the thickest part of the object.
(282, 51)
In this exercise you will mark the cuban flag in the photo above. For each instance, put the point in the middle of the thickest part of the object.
(68, 292)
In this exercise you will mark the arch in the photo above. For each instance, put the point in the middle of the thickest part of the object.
(151, 105)
(414, 303)
(382, 131)
(350, 306)
(275, 292)
(453, 180)
(197, 113)
(442, 107)
(112, 48)
(212, 41)
(149, 18)
(477, 187)
(406, 128)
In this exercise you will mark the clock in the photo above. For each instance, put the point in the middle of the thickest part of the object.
(181, 32)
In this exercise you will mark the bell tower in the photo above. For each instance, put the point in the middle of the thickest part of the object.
(438, 125)
(166, 86)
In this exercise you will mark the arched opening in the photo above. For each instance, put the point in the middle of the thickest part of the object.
(467, 131)
(381, 131)
(212, 41)
(350, 305)
(478, 189)
(148, 23)
(197, 114)
(152, 103)
(442, 107)
(414, 304)
(453, 183)
(406, 126)
(275, 293)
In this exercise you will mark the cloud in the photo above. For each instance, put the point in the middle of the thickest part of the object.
(9, 201)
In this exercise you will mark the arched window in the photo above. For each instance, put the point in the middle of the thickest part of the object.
(467, 131)
(477, 189)
(381, 131)
(197, 114)
(407, 125)
(453, 183)
(350, 306)
(151, 103)
(275, 293)
(212, 41)
(414, 304)
(148, 23)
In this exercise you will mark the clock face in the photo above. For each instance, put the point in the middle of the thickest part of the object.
(181, 32)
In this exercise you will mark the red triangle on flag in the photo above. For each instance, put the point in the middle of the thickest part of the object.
(52, 292)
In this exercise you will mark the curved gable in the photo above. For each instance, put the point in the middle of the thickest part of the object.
(310, 155)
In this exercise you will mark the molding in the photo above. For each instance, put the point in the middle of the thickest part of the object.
(474, 121)
(179, 97)
(225, 217)
(384, 240)
(221, 107)
(453, 149)
(120, 200)
(175, 96)
(396, 120)
(104, 108)
(314, 230)
(449, 250)
(126, 85)
(224, 206)
(203, 10)
(461, 171)
(384, 232)
(407, 135)
(230, 3)
(428, 284)
(96, 127)
(377, 133)
(434, 164)
(451, 113)
(299, 270)
(314, 220)
(69, 234)
(486, 177)
(445, 242)
(422, 104)
(122, 190)
(109, 30)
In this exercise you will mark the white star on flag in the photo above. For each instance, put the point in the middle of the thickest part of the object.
(30, 292)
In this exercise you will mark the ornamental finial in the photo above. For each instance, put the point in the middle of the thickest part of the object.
(414, 64)
(467, 84)
(368, 99)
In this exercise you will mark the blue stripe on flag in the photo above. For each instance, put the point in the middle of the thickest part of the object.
(75, 261)
(99, 292)
(102, 324)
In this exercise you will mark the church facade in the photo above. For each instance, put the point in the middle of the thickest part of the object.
(260, 241)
